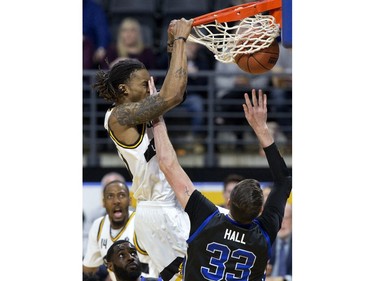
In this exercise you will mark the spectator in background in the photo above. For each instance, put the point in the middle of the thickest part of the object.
(282, 89)
(229, 183)
(197, 59)
(117, 224)
(130, 45)
(99, 211)
(280, 264)
(231, 82)
(280, 93)
(96, 34)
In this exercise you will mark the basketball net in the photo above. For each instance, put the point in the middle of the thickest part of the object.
(246, 36)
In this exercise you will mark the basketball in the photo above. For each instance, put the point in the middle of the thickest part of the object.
(259, 62)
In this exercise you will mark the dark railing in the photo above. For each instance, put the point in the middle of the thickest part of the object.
(211, 140)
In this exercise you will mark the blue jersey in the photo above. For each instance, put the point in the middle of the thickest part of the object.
(220, 248)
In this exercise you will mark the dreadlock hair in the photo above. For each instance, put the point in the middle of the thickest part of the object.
(246, 201)
(106, 83)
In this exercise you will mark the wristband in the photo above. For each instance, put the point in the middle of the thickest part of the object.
(183, 38)
(170, 45)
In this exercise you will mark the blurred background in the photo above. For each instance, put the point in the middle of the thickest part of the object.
(209, 129)
(213, 141)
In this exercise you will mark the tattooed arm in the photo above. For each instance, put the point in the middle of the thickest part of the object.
(141, 112)
(168, 162)
(174, 85)
(172, 91)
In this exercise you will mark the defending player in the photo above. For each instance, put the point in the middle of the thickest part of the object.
(161, 225)
(116, 225)
(234, 246)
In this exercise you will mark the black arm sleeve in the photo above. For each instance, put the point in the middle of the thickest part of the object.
(198, 208)
(273, 212)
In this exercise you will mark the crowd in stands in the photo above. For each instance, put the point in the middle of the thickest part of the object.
(115, 30)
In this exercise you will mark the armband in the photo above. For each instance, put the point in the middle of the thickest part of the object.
(180, 37)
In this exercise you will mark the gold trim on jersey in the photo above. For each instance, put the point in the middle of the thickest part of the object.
(126, 164)
(180, 275)
(100, 229)
(137, 143)
(122, 230)
(137, 247)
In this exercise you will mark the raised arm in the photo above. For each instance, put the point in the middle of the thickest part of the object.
(273, 212)
(256, 115)
(173, 89)
(175, 82)
(169, 165)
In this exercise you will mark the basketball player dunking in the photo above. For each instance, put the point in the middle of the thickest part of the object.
(161, 225)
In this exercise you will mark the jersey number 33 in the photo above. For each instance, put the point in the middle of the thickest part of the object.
(217, 269)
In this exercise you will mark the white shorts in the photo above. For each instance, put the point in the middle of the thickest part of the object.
(161, 229)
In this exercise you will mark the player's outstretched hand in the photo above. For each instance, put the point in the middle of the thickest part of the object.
(256, 116)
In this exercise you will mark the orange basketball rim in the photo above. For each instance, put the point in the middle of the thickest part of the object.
(239, 12)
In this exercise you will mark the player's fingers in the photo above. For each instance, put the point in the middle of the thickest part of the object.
(260, 98)
(247, 100)
(249, 107)
(172, 24)
(254, 97)
(245, 110)
(265, 102)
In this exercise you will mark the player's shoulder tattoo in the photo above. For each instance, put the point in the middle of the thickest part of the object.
(140, 112)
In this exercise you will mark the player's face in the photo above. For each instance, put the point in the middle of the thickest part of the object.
(137, 86)
(125, 262)
(116, 202)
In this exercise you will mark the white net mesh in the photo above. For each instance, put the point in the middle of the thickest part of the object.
(245, 37)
